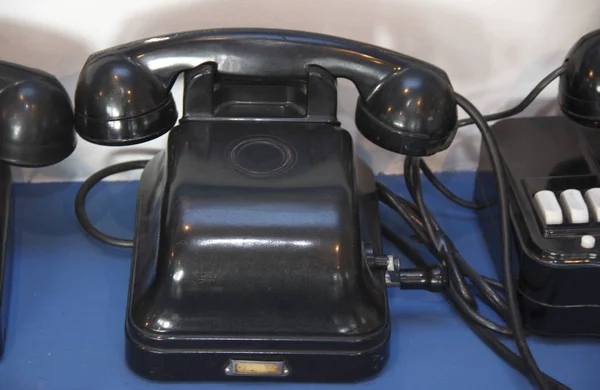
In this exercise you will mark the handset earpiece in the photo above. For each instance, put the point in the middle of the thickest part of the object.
(123, 94)
(118, 102)
(36, 121)
(412, 112)
(579, 89)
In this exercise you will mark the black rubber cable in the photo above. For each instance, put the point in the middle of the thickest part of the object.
(478, 324)
(514, 318)
(443, 249)
(438, 243)
(446, 251)
(413, 183)
(485, 286)
(523, 104)
(491, 117)
(85, 189)
(449, 194)
(486, 336)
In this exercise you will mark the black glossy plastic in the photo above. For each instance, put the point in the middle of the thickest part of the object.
(36, 125)
(579, 95)
(5, 249)
(36, 129)
(211, 95)
(558, 279)
(249, 245)
(417, 105)
(123, 94)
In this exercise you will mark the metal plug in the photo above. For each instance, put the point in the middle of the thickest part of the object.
(433, 278)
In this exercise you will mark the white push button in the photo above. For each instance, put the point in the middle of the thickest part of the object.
(592, 198)
(574, 206)
(548, 208)
(588, 242)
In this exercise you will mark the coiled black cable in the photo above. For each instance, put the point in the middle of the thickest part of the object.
(420, 219)
(491, 117)
(514, 316)
(85, 189)
(523, 104)
(484, 285)
(449, 194)
(484, 334)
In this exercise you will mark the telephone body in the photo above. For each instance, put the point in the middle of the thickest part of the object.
(36, 130)
(253, 226)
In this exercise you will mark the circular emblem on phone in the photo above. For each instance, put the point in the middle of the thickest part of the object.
(261, 156)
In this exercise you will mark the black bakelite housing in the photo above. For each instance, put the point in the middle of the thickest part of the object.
(251, 225)
(36, 128)
(261, 227)
(258, 258)
(558, 278)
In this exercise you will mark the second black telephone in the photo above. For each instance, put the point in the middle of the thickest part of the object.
(258, 248)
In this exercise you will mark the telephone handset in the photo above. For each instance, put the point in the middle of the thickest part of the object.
(123, 93)
(36, 129)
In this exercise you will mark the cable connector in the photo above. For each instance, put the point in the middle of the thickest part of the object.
(433, 278)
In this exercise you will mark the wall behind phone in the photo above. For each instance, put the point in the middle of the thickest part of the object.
(494, 51)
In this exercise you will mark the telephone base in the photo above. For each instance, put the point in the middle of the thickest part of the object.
(558, 270)
(248, 257)
(308, 367)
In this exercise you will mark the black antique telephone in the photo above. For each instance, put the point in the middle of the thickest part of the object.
(257, 249)
(554, 200)
(253, 226)
(36, 130)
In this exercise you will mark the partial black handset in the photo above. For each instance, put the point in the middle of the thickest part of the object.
(36, 130)
(257, 250)
(554, 167)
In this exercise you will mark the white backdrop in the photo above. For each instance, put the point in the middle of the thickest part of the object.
(494, 51)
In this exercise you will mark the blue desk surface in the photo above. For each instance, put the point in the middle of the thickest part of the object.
(66, 328)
